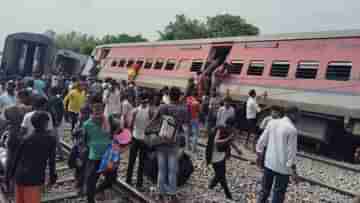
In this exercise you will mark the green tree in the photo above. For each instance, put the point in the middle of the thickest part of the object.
(122, 38)
(183, 28)
(225, 25)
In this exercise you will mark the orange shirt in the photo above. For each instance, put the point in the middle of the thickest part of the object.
(194, 106)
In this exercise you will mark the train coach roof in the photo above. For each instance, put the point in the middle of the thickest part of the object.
(270, 37)
(34, 37)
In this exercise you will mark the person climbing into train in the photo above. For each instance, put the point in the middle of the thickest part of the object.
(218, 151)
(280, 140)
(218, 76)
(225, 112)
(33, 155)
(174, 116)
(73, 102)
(194, 108)
(141, 116)
(98, 137)
(252, 109)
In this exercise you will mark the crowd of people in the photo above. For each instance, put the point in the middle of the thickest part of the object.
(110, 117)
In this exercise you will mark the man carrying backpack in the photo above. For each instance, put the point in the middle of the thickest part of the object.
(173, 116)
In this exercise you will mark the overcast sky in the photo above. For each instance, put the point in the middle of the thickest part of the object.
(145, 17)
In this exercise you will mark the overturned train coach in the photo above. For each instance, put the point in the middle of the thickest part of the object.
(318, 72)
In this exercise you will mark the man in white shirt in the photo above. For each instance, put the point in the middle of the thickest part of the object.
(252, 108)
(40, 104)
(280, 140)
(225, 112)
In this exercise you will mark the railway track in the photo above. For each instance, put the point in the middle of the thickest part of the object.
(304, 178)
(63, 190)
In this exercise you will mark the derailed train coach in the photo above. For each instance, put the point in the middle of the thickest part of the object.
(318, 72)
(27, 53)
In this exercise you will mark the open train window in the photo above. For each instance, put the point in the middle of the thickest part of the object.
(307, 69)
(196, 65)
(184, 64)
(235, 67)
(170, 64)
(148, 63)
(140, 62)
(339, 71)
(114, 63)
(280, 69)
(256, 68)
(122, 63)
(159, 64)
(130, 63)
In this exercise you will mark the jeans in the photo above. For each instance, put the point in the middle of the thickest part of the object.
(220, 177)
(137, 146)
(92, 177)
(280, 182)
(168, 168)
(195, 134)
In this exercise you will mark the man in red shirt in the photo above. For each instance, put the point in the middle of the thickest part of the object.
(194, 109)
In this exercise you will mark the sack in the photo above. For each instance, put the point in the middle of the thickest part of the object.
(110, 161)
(168, 129)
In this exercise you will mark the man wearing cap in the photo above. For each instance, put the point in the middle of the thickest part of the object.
(8, 98)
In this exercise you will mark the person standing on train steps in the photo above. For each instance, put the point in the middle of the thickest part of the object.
(280, 140)
(141, 116)
(33, 154)
(252, 108)
(73, 102)
(225, 112)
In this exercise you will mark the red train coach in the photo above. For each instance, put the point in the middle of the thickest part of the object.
(318, 72)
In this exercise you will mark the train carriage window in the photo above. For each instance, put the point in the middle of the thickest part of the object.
(256, 68)
(307, 69)
(148, 63)
(170, 64)
(339, 71)
(114, 63)
(196, 65)
(122, 63)
(130, 63)
(280, 69)
(159, 64)
(184, 64)
(235, 67)
(140, 62)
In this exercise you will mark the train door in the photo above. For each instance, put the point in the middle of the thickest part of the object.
(30, 58)
(217, 56)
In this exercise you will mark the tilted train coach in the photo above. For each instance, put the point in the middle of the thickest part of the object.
(318, 72)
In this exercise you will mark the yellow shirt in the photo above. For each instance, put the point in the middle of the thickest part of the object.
(74, 100)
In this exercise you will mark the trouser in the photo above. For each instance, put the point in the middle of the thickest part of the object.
(92, 177)
(59, 147)
(280, 182)
(80, 175)
(168, 168)
(195, 134)
(27, 194)
(137, 147)
(220, 177)
(74, 119)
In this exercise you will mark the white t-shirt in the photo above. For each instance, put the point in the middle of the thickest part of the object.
(112, 102)
(28, 125)
(252, 108)
(142, 119)
(223, 114)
